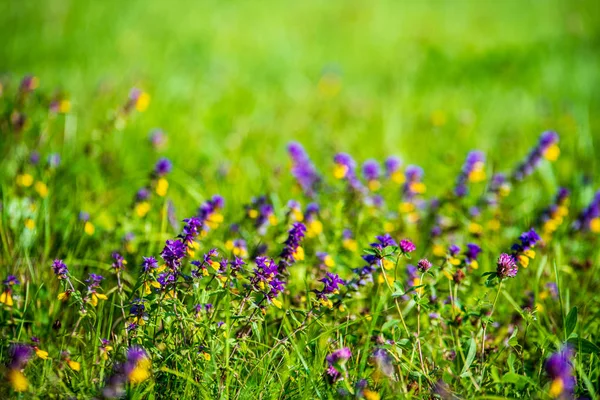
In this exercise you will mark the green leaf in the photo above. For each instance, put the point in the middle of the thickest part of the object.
(571, 321)
(584, 345)
(519, 380)
(470, 356)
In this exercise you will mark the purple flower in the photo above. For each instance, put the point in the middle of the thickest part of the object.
(382, 361)
(336, 362)
(560, 370)
(34, 157)
(94, 281)
(60, 269)
(54, 160)
(84, 216)
(384, 241)
(173, 252)
(424, 265)
(143, 194)
(303, 169)
(506, 266)
(163, 167)
(19, 356)
(472, 252)
(526, 168)
(453, 250)
(295, 236)
(157, 138)
(11, 280)
(331, 283)
(392, 164)
(471, 171)
(149, 263)
(118, 261)
(371, 170)
(407, 246)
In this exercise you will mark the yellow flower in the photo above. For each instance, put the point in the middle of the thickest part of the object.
(253, 214)
(6, 298)
(89, 228)
(556, 387)
(314, 228)
(142, 208)
(475, 228)
(326, 303)
(387, 264)
(493, 225)
(162, 185)
(439, 250)
(142, 102)
(141, 371)
(95, 297)
(529, 253)
(64, 106)
(276, 302)
(273, 219)
(398, 177)
(523, 260)
(17, 380)
(340, 171)
(298, 216)
(25, 180)
(329, 261)
(63, 296)
(552, 153)
(478, 173)
(74, 365)
(406, 207)
(350, 245)
(370, 395)
(30, 224)
(206, 356)
(418, 187)
(41, 354)
(41, 189)
(595, 225)
(148, 285)
(299, 254)
(374, 185)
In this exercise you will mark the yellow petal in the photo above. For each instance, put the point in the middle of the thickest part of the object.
(74, 365)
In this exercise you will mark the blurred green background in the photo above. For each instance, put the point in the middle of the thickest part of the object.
(233, 82)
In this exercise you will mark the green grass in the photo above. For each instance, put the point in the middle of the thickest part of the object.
(231, 84)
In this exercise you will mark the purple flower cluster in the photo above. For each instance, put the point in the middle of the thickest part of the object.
(265, 278)
(118, 261)
(173, 253)
(336, 362)
(406, 246)
(60, 269)
(412, 185)
(471, 171)
(424, 265)
(392, 165)
(589, 218)
(528, 241)
(292, 243)
(547, 142)
(472, 252)
(149, 264)
(331, 284)
(303, 169)
(560, 370)
(345, 168)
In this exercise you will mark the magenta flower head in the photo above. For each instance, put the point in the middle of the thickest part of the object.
(336, 362)
(506, 266)
(424, 265)
(558, 366)
(60, 269)
(407, 246)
